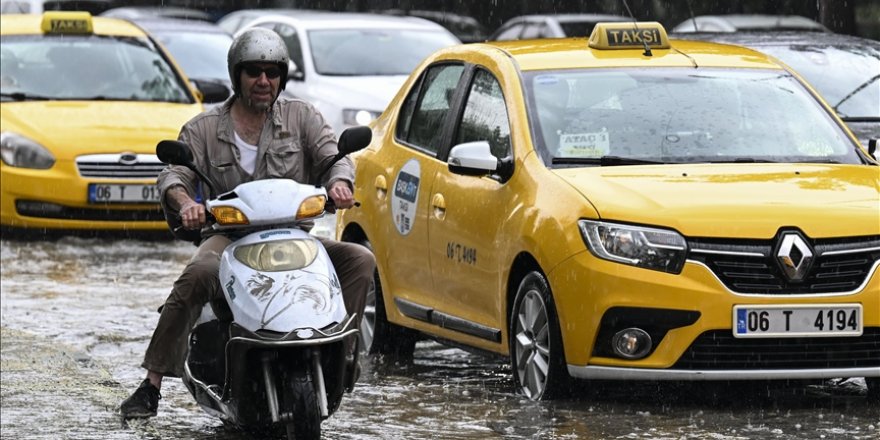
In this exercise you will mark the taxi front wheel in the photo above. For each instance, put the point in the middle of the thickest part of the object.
(536, 354)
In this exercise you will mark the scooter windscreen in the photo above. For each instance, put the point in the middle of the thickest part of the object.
(281, 280)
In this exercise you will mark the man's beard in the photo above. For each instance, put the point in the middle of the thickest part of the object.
(262, 106)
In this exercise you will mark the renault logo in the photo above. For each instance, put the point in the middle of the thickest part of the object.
(128, 158)
(794, 256)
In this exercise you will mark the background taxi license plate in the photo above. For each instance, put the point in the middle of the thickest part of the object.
(764, 321)
(119, 193)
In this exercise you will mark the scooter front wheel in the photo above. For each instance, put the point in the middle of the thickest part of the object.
(300, 390)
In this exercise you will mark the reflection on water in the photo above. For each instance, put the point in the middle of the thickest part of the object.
(77, 315)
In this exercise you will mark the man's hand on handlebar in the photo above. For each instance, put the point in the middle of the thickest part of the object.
(192, 215)
(341, 195)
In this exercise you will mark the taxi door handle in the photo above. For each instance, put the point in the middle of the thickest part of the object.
(381, 187)
(439, 205)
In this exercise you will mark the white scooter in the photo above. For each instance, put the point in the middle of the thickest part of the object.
(278, 361)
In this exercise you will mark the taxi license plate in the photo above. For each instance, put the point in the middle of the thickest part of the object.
(765, 321)
(116, 193)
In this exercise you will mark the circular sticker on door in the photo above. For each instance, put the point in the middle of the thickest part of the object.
(405, 196)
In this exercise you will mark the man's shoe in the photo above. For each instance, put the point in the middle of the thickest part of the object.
(143, 403)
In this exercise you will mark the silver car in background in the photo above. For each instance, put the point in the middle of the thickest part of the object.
(350, 65)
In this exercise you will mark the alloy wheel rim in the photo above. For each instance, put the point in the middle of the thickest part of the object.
(532, 345)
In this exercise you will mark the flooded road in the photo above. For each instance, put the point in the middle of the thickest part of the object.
(77, 315)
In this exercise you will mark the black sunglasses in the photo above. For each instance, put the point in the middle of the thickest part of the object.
(255, 71)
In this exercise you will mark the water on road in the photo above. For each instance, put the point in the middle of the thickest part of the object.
(77, 315)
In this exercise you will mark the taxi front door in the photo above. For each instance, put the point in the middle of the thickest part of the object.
(465, 220)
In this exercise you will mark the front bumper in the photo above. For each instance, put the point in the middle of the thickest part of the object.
(693, 312)
(57, 199)
(622, 373)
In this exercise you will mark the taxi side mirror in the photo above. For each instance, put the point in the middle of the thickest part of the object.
(472, 159)
(211, 91)
(872, 148)
(476, 159)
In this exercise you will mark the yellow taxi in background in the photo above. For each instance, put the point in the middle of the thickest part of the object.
(83, 102)
(623, 207)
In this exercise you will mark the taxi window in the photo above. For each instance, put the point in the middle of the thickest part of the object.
(88, 68)
(485, 115)
(430, 104)
(681, 115)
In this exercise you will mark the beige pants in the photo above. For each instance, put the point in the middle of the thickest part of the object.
(199, 283)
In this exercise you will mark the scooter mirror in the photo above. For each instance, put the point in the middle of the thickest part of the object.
(174, 153)
(354, 139)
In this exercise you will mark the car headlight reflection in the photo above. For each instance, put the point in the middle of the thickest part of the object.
(657, 249)
(19, 151)
(358, 117)
(275, 256)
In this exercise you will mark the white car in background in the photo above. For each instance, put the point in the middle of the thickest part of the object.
(350, 65)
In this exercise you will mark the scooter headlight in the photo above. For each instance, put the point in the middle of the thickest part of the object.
(276, 256)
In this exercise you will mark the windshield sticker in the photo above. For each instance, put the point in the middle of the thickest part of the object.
(405, 196)
(594, 144)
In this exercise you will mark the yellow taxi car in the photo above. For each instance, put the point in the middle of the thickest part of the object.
(621, 207)
(84, 102)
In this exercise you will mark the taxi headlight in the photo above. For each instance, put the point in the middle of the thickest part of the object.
(311, 207)
(656, 249)
(281, 255)
(19, 151)
(358, 117)
(227, 215)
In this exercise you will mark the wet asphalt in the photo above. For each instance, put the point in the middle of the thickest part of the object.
(76, 315)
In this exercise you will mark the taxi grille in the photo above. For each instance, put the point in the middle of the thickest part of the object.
(120, 166)
(750, 267)
(720, 350)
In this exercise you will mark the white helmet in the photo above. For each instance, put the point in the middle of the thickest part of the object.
(257, 45)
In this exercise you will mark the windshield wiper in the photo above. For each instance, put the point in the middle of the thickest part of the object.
(743, 160)
(853, 93)
(818, 161)
(604, 161)
(20, 96)
(860, 118)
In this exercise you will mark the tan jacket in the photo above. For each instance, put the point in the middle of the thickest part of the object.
(295, 143)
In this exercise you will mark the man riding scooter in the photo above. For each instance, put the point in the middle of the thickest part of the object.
(254, 135)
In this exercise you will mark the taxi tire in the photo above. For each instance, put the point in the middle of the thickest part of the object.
(535, 291)
(391, 340)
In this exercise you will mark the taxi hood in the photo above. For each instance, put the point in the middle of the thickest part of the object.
(736, 200)
(72, 128)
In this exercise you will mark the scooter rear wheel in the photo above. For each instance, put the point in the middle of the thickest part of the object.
(300, 391)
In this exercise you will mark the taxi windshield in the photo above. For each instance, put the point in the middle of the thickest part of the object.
(87, 68)
(680, 115)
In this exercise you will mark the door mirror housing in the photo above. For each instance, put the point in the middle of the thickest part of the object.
(212, 91)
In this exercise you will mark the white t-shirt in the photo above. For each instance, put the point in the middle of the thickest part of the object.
(247, 153)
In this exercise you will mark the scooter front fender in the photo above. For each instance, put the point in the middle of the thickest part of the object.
(281, 301)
